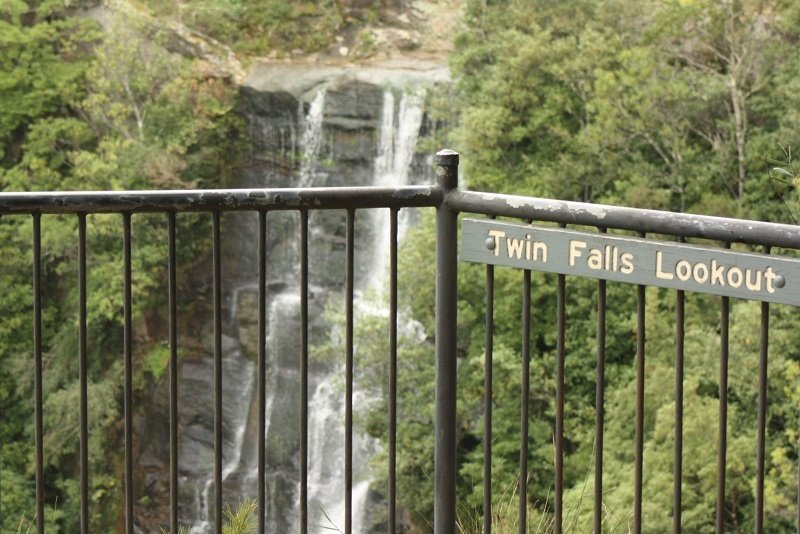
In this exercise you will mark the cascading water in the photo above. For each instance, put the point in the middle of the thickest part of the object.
(396, 130)
(396, 150)
(312, 138)
(237, 370)
(398, 136)
(398, 139)
(326, 458)
(400, 126)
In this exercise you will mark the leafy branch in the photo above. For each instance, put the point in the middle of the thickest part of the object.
(785, 173)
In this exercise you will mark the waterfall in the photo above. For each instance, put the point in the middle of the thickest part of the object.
(312, 138)
(326, 458)
(390, 140)
(399, 130)
(398, 142)
(239, 371)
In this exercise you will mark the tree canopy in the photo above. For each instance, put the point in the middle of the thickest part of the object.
(659, 104)
(82, 108)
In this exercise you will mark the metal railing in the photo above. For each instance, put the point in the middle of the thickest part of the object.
(604, 218)
(216, 202)
(449, 201)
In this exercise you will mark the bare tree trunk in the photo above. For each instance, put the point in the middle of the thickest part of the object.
(738, 97)
(138, 112)
(740, 121)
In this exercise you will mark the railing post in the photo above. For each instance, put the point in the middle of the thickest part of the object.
(444, 514)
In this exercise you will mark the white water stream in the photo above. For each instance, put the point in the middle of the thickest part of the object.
(400, 125)
(311, 141)
(236, 395)
(396, 150)
(326, 458)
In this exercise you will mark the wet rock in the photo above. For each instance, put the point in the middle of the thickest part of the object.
(275, 104)
(195, 423)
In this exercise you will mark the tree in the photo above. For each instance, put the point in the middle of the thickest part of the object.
(43, 65)
(85, 110)
(664, 105)
(737, 46)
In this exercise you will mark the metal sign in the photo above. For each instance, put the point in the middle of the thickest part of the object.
(631, 260)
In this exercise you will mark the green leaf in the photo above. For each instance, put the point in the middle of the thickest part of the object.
(781, 170)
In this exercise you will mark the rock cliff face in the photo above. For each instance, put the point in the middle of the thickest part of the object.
(310, 127)
(278, 98)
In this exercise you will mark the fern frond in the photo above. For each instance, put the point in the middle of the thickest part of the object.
(243, 520)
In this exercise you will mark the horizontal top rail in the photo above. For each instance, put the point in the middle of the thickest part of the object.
(623, 218)
(542, 209)
(220, 199)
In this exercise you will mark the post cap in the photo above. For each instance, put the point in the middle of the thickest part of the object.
(446, 157)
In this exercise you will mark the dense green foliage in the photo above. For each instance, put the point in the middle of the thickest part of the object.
(630, 103)
(84, 109)
(668, 104)
(658, 104)
(270, 27)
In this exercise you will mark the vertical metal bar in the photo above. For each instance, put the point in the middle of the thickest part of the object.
(392, 370)
(348, 415)
(37, 362)
(524, 396)
(722, 446)
(559, 435)
(82, 376)
(304, 371)
(128, 362)
(262, 368)
(599, 403)
(640, 368)
(487, 401)
(680, 335)
(173, 375)
(217, 267)
(446, 320)
(762, 413)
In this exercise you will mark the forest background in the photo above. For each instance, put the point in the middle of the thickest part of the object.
(665, 104)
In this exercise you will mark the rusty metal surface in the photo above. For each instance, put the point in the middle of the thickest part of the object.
(444, 514)
(220, 199)
(623, 218)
